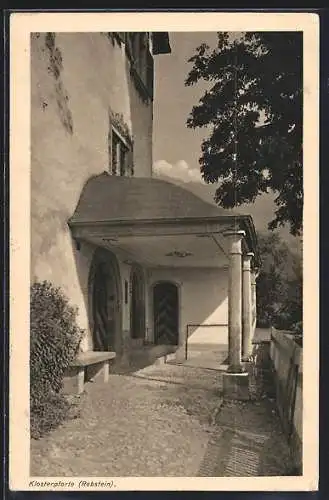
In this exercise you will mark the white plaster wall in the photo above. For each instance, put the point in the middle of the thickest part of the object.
(94, 76)
(203, 301)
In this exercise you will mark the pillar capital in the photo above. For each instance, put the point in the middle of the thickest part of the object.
(235, 240)
(247, 257)
(235, 299)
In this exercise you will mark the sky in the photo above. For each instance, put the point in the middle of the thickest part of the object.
(177, 148)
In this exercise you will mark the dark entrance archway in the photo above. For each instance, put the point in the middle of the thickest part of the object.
(166, 313)
(105, 301)
(137, 311)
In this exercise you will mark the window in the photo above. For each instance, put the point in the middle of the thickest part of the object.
(138, 47)
(120, 146)
(121, 155)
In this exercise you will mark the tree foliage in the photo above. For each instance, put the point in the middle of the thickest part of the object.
(253, 108)
(279, 285)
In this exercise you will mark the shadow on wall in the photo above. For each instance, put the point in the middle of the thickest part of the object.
(83, 255)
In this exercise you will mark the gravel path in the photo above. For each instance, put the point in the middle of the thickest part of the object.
(163, 420)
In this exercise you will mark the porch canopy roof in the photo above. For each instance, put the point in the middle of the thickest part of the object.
(127, 212)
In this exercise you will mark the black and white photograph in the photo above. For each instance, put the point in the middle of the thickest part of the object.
(164, 238)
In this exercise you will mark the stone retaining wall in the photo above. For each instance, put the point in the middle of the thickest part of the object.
(287, 360)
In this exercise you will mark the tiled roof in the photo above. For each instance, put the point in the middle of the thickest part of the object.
(113, 198)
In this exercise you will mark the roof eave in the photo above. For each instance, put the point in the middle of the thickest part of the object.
(245, 222)
(251, 231)
(160, 43)
(166, 220)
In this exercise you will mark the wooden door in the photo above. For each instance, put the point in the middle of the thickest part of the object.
(105, 300)
(166, 314)
(137, 319)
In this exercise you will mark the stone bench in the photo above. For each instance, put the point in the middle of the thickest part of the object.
(76, 376)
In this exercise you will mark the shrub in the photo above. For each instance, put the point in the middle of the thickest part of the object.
(54, 342)
(48, 411)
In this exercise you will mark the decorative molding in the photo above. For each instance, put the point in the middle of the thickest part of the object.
(178, 253)
(118, 125)
(118, 122)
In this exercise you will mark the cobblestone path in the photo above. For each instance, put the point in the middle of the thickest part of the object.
(248, 442)
(163, 420)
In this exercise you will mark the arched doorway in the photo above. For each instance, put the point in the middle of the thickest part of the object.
(105, 301)
(166, 313)
(137, 311)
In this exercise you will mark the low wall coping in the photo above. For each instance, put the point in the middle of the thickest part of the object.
(287, 346)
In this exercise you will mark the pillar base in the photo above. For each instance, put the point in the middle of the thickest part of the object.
(236, 369)
(236, 386)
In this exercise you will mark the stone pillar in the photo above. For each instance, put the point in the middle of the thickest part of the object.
(235, 300)
(254, 299)
(247, 307)
(235, 380)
